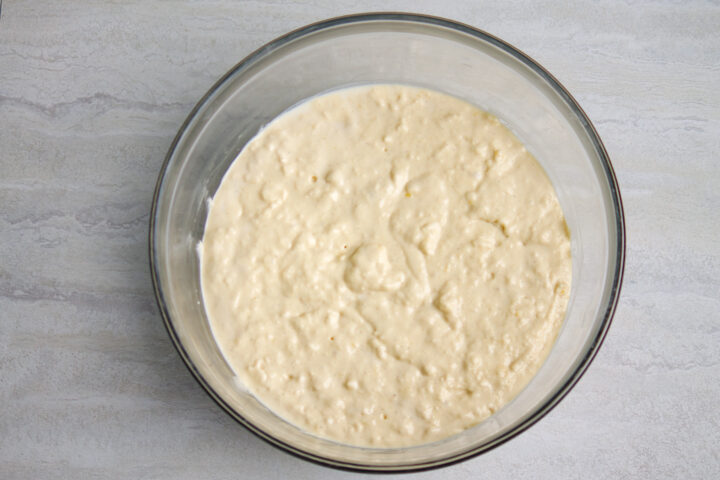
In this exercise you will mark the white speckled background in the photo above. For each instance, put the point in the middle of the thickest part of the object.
(91, 95)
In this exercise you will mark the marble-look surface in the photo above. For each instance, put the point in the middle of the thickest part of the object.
(91, 95)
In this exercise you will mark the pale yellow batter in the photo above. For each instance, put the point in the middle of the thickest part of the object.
(385, 266)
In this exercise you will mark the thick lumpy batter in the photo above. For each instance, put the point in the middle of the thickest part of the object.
(385, 266)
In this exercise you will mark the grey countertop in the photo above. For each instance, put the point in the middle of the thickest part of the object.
(91, 95)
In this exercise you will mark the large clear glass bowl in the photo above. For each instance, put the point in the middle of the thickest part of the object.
(390, 48)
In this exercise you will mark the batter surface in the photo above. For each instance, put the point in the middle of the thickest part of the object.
(385, 266)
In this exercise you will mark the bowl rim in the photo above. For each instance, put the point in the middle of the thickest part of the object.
(550, 80)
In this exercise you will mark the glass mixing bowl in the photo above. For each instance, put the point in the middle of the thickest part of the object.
(407, 49)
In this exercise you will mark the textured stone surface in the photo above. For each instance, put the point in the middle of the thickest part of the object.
(91, 95)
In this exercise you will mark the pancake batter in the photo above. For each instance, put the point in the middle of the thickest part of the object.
(385, 266)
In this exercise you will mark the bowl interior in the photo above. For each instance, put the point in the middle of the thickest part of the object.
(419, 51)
